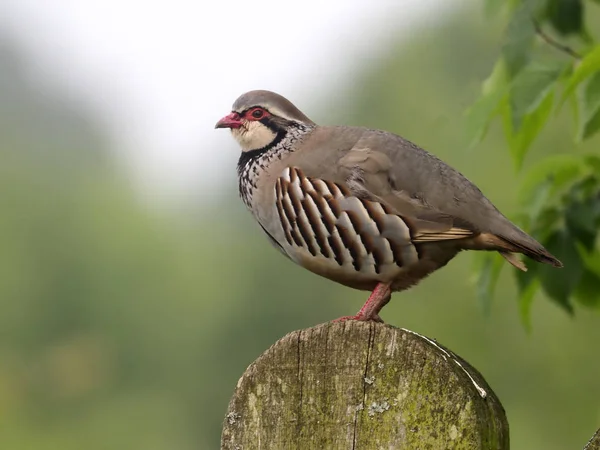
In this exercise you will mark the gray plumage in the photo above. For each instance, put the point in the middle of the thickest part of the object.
(275, 102)
(361, 206)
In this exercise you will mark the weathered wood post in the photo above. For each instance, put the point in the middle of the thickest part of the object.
(362, 386)
(594, 443)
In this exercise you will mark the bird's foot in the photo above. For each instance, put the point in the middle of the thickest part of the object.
(370, 310)
(361, 318)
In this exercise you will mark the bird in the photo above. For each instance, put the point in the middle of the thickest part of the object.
(365, 208)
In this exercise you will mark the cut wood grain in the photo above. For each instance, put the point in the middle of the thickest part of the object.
(361, 386)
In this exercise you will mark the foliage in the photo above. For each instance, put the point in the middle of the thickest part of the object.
(534, 78)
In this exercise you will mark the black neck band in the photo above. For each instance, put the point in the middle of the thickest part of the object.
(251, 155)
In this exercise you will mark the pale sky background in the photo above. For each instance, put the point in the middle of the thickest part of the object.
(161, 73)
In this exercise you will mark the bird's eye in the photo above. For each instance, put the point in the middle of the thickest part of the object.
(257, 113)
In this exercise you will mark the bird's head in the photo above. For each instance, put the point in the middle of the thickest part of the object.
(259, 118)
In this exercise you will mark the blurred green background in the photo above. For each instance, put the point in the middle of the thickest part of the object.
(127, 326)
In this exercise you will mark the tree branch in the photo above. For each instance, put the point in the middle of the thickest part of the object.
(552, 42)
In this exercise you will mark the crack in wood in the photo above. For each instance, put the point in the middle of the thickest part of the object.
(447, 354)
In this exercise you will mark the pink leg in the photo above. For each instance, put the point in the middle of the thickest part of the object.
(370, 311)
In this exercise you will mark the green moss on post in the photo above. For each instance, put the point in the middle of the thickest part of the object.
(362, 386)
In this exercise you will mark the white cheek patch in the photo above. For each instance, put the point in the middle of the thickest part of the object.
(253, 135)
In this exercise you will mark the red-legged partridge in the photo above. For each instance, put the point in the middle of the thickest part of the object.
(365, 208)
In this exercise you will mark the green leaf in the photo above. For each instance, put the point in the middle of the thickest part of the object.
(588, 97)
(531, 125)
(566, 16)
(581, 223)
(497, 80)
(488, 273)
(593, 161)
(531, 87)
(487, 106)
(559, 284)
(591, 259)
(587, 292)
(592, 126)
(527, 294)
(560, 170)
(539, 201)
(480, 115)
(547, 222)
(582, 213)
(589, 65)
(519, 38)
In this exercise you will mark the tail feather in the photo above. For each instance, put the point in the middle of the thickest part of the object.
(532, 249)
(520, 242)
(514, 260)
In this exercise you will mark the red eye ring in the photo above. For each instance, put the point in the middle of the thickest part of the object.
(258, 113)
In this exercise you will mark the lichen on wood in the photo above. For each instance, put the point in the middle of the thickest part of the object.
(362, 386)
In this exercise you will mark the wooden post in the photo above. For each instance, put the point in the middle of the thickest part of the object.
(594, 443)
(362, 386)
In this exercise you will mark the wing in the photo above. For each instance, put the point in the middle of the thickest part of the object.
(421, 176)
(373, 173)
(369, 174)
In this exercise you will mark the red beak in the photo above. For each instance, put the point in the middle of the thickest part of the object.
(232, 120)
